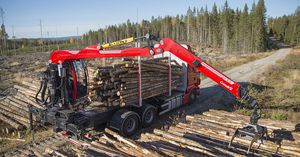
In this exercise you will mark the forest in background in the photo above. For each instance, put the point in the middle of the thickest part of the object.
(286, 28)
(223, 28)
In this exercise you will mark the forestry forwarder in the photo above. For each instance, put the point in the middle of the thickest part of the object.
(60, 99)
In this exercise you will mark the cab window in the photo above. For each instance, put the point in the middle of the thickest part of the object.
(81, 78)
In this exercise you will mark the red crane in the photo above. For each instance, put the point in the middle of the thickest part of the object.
(56, 99)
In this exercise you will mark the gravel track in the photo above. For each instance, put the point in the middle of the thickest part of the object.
(213, 96)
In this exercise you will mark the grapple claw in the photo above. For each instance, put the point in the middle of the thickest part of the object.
(256, 132)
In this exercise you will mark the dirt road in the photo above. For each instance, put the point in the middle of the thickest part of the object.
(213, 96)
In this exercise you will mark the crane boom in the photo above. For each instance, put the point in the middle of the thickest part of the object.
(170, 45)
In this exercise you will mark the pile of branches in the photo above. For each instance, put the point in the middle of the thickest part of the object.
(118, 84)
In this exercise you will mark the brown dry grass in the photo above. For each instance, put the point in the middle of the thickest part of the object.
(8, 145)
(232, 61)
(281, 96)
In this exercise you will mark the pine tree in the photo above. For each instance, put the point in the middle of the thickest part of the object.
(201, 25)
(261, 33)
(188, 21)
(244, 30)
(215, 26)
(296, 27)
(3, 37)
(225, 26)
(236, 31)
(206, 26)
(253, 29)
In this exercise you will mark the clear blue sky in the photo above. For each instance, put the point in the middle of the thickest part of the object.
(64, 16)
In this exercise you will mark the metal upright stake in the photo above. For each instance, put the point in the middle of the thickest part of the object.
(140, 82)
(170, 75)
(31, 122)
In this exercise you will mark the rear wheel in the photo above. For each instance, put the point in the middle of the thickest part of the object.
(148, 115)
(126, 122)
(130, 125)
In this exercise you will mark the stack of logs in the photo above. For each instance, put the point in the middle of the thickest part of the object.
(14, 107)
(18, 75)
(200, 135)
(118, 84)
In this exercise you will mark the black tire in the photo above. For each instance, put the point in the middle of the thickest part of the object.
(148, 115)
(193, 96)
(121, 121)
(130, 123)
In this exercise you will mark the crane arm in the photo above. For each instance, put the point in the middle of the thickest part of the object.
(60, 56)
(100, 51)
(231, 86)
(168, 44)
(257, 132)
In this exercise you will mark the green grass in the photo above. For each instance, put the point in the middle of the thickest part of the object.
(279, 115)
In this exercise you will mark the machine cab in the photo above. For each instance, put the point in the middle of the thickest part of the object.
(76, 81)
(193, 74)
(190, 76)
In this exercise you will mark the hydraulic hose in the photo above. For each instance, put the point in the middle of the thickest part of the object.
(245, 97)
(47, 87)
(42, 90)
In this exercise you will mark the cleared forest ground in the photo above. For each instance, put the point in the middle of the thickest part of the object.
(34, 69)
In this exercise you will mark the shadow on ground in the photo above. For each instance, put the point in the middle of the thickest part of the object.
(214, 97)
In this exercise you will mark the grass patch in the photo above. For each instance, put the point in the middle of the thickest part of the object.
(279, 115)
(232, 61)
(282, 82)
(279, 95)
(39, 135)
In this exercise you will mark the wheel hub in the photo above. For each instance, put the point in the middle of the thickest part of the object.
(149, 116)
(130, 125)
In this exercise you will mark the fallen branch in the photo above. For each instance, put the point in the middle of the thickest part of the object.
(12, 139)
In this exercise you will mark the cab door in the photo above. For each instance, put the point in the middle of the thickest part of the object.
(76, 80)
(193, 77)
(81, 78)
